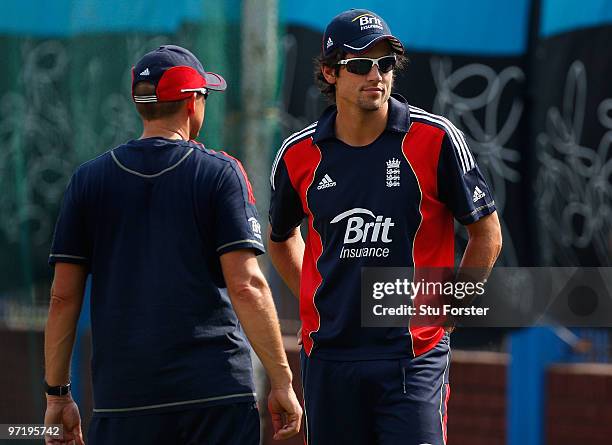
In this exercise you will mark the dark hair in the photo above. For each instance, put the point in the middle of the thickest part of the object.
(329, 90)
(155, 110)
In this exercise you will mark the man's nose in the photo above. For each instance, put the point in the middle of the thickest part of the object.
(374, 73)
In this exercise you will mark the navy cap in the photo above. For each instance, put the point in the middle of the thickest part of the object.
(356, 30)
(176, 74)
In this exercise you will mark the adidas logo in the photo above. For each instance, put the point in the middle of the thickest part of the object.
(326, 183)
(478, 194)
(145, 72)
(330, 42)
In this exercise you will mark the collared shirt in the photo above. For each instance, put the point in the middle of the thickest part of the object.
(391, 203)
(150, 219)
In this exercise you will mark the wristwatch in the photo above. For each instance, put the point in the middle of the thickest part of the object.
(60, 390)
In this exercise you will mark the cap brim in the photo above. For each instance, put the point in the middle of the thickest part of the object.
(215, 82)
(364, 43)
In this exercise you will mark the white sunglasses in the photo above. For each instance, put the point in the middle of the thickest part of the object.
(202, 91)
(363, 65)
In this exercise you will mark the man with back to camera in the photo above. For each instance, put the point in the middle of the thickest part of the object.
(379, 182)
(168, 230)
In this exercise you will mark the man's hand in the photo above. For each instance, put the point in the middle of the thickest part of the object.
(286, 413)
(63, 410)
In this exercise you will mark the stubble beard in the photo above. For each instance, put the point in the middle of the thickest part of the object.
(369, 104)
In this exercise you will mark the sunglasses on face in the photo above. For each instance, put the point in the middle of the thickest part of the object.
(363, 65)
(202, 91)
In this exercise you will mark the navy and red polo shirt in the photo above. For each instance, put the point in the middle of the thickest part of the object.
(150, 220)
(391, 203)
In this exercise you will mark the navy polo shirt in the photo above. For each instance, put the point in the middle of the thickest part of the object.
(150, 220)
(389, 204)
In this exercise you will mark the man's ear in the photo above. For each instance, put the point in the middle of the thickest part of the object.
(329, 72)
(191, 104)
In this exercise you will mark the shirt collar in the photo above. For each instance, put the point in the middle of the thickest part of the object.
(398, 120)
(399, 114)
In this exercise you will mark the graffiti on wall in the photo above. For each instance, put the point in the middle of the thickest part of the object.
(574, 181)
(489, 129)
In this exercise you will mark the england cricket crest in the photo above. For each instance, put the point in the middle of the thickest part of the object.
(393, 173)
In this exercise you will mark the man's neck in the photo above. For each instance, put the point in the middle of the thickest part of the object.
(166, 130)
(357, 127)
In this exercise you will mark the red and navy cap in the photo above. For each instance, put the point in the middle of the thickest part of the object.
(176, 74)
(355, 31)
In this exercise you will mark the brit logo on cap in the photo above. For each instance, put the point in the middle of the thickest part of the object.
(368, 21)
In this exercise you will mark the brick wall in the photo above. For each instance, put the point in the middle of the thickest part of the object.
(579, 404)
(477, 405)
(21, 376)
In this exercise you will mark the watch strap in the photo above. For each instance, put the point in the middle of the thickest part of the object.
(60, 390)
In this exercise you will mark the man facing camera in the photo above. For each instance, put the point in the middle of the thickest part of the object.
(380, 183)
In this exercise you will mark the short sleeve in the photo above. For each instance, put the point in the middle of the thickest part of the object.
(70, 241)
(461, 185)
(286, 212)
(236, 222)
